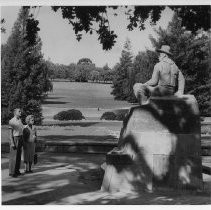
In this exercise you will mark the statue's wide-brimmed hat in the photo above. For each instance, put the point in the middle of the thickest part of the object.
(165, 49)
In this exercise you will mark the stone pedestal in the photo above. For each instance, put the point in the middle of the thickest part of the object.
(159, 145)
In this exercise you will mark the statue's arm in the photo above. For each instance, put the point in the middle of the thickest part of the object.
(181, 84)
(155, 77)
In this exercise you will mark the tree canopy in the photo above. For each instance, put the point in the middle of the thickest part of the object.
(85, 61)
(82, 18)
(94, 19)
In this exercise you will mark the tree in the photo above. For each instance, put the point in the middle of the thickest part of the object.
(85, 61)
(121, 82)
(24, 72)
(94, 76)
(61, 71)
(83, 69)
(105, 74)
(82, 18)
(72, 70)
(191, 52)
(143, 66)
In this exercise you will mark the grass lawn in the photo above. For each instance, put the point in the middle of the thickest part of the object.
(83, 95)
(87, 97)
(74, 131)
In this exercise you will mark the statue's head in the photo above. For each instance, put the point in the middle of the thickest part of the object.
(165, 49)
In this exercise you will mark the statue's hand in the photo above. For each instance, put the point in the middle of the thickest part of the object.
(178, 94)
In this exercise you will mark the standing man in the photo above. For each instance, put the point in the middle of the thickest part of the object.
(16, 143)
(166, 79)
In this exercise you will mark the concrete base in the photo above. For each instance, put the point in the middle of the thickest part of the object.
(160, 146)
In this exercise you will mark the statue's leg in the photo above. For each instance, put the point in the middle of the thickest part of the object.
(161, 91)
(142, 93)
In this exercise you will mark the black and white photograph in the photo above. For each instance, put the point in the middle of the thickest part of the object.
(106, 102)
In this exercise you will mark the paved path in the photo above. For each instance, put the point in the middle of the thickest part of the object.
(76, 179)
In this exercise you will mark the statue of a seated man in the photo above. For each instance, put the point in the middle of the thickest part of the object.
(166, 79)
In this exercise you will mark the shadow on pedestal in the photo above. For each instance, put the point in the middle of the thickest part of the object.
(159, 146)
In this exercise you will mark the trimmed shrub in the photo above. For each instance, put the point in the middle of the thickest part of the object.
(121, 114)
(117, 115)
(71, 114)
(108, 116)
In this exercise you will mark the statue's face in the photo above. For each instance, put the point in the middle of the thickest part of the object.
(161, 56)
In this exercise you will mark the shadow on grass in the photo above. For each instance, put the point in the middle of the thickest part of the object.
(54, 102)
(54, 97)
(78, 137)
(64, 124)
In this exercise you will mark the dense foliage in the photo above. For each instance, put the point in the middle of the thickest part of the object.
(123, 74)
(191, 52)
(83, 71)
(108, 116)
(129, 71)
(71, 114)
(117, 115)
(121, 114)
(82, 19)
(24, 73)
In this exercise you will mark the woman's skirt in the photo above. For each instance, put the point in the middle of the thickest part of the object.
(29, 151)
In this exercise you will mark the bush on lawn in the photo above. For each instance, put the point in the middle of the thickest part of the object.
(121, 114)
(108, 116)
(71, 114)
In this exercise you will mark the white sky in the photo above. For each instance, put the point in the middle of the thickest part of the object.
(61, 46)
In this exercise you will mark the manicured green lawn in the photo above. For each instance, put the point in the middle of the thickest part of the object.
(87, 97)
(75, 131)
(92, 99)
(83, 95)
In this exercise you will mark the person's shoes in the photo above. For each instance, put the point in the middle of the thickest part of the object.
(18, 173)
(14, 175)
(26, 172)
(30, 171)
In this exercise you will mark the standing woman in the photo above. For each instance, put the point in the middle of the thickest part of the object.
(29, 138)
(16, 143)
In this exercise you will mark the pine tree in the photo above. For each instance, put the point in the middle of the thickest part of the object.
(24, 72)
(121, 80)
(143, 65)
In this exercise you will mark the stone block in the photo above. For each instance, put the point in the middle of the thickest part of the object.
(159, 145)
